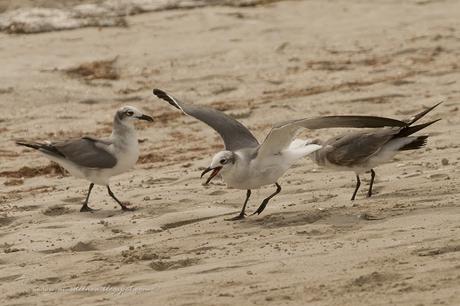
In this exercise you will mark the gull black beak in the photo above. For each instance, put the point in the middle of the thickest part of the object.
(146, 118)
(215, 171)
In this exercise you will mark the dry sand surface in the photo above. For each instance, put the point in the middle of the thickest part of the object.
(261, 64)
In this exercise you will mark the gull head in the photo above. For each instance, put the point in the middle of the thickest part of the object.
(222, 160)
(128, 114)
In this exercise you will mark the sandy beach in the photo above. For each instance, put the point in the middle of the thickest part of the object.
(261, 62)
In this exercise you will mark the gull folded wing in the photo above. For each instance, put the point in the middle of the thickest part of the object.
(87, 152)
(354, 148)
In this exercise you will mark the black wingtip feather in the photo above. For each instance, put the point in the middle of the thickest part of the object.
(421, 114)
(164, 96)
(28, 145)
(43, 147)
(413, 129)
(418, 143)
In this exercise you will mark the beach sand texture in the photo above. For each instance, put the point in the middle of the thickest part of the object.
(262, 63)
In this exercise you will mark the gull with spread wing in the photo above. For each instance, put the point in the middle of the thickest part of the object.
(97, 160)
(246, 164)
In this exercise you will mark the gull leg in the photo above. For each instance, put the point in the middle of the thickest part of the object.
(123, 207)
(369, 193)
(358, 183)
(242, 214)
(85, 206)
(265, 201)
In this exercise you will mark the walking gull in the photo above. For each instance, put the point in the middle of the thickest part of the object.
(97, 160)
(246, 164)
(362, 151)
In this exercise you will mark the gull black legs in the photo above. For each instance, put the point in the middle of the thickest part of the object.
(261, 207)
(242, 214)
(123, 207)
(85, 206)
(358, 183)
(265, 201)
(369, 193)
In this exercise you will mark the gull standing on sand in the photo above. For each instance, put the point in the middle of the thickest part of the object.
(363, 151)
(97, 160)
(246, 164)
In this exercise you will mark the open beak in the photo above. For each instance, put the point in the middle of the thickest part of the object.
(215, 171)
(146, 118)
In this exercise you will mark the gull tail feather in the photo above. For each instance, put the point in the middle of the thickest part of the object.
(310, 148)
(300, 148)
(417, 143)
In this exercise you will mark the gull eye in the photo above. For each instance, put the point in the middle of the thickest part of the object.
(223, 161)
(129, 113)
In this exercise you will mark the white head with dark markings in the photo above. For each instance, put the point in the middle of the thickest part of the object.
(127, 114)
(222, 160)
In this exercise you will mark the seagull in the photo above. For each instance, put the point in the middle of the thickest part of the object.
(363, 151)
(245, 164)
(97, 160)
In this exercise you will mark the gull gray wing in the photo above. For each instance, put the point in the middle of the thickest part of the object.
(234, 134)
(355, 148)
(87, 152)
(282, 134)
(346, 121)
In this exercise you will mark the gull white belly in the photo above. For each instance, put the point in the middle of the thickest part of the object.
(255, 174)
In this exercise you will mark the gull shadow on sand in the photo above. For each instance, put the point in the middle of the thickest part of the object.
(285, 219)
(191, 221)
(336, 217)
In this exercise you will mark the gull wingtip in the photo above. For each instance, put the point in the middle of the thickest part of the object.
(158, 92)
(167, 97)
